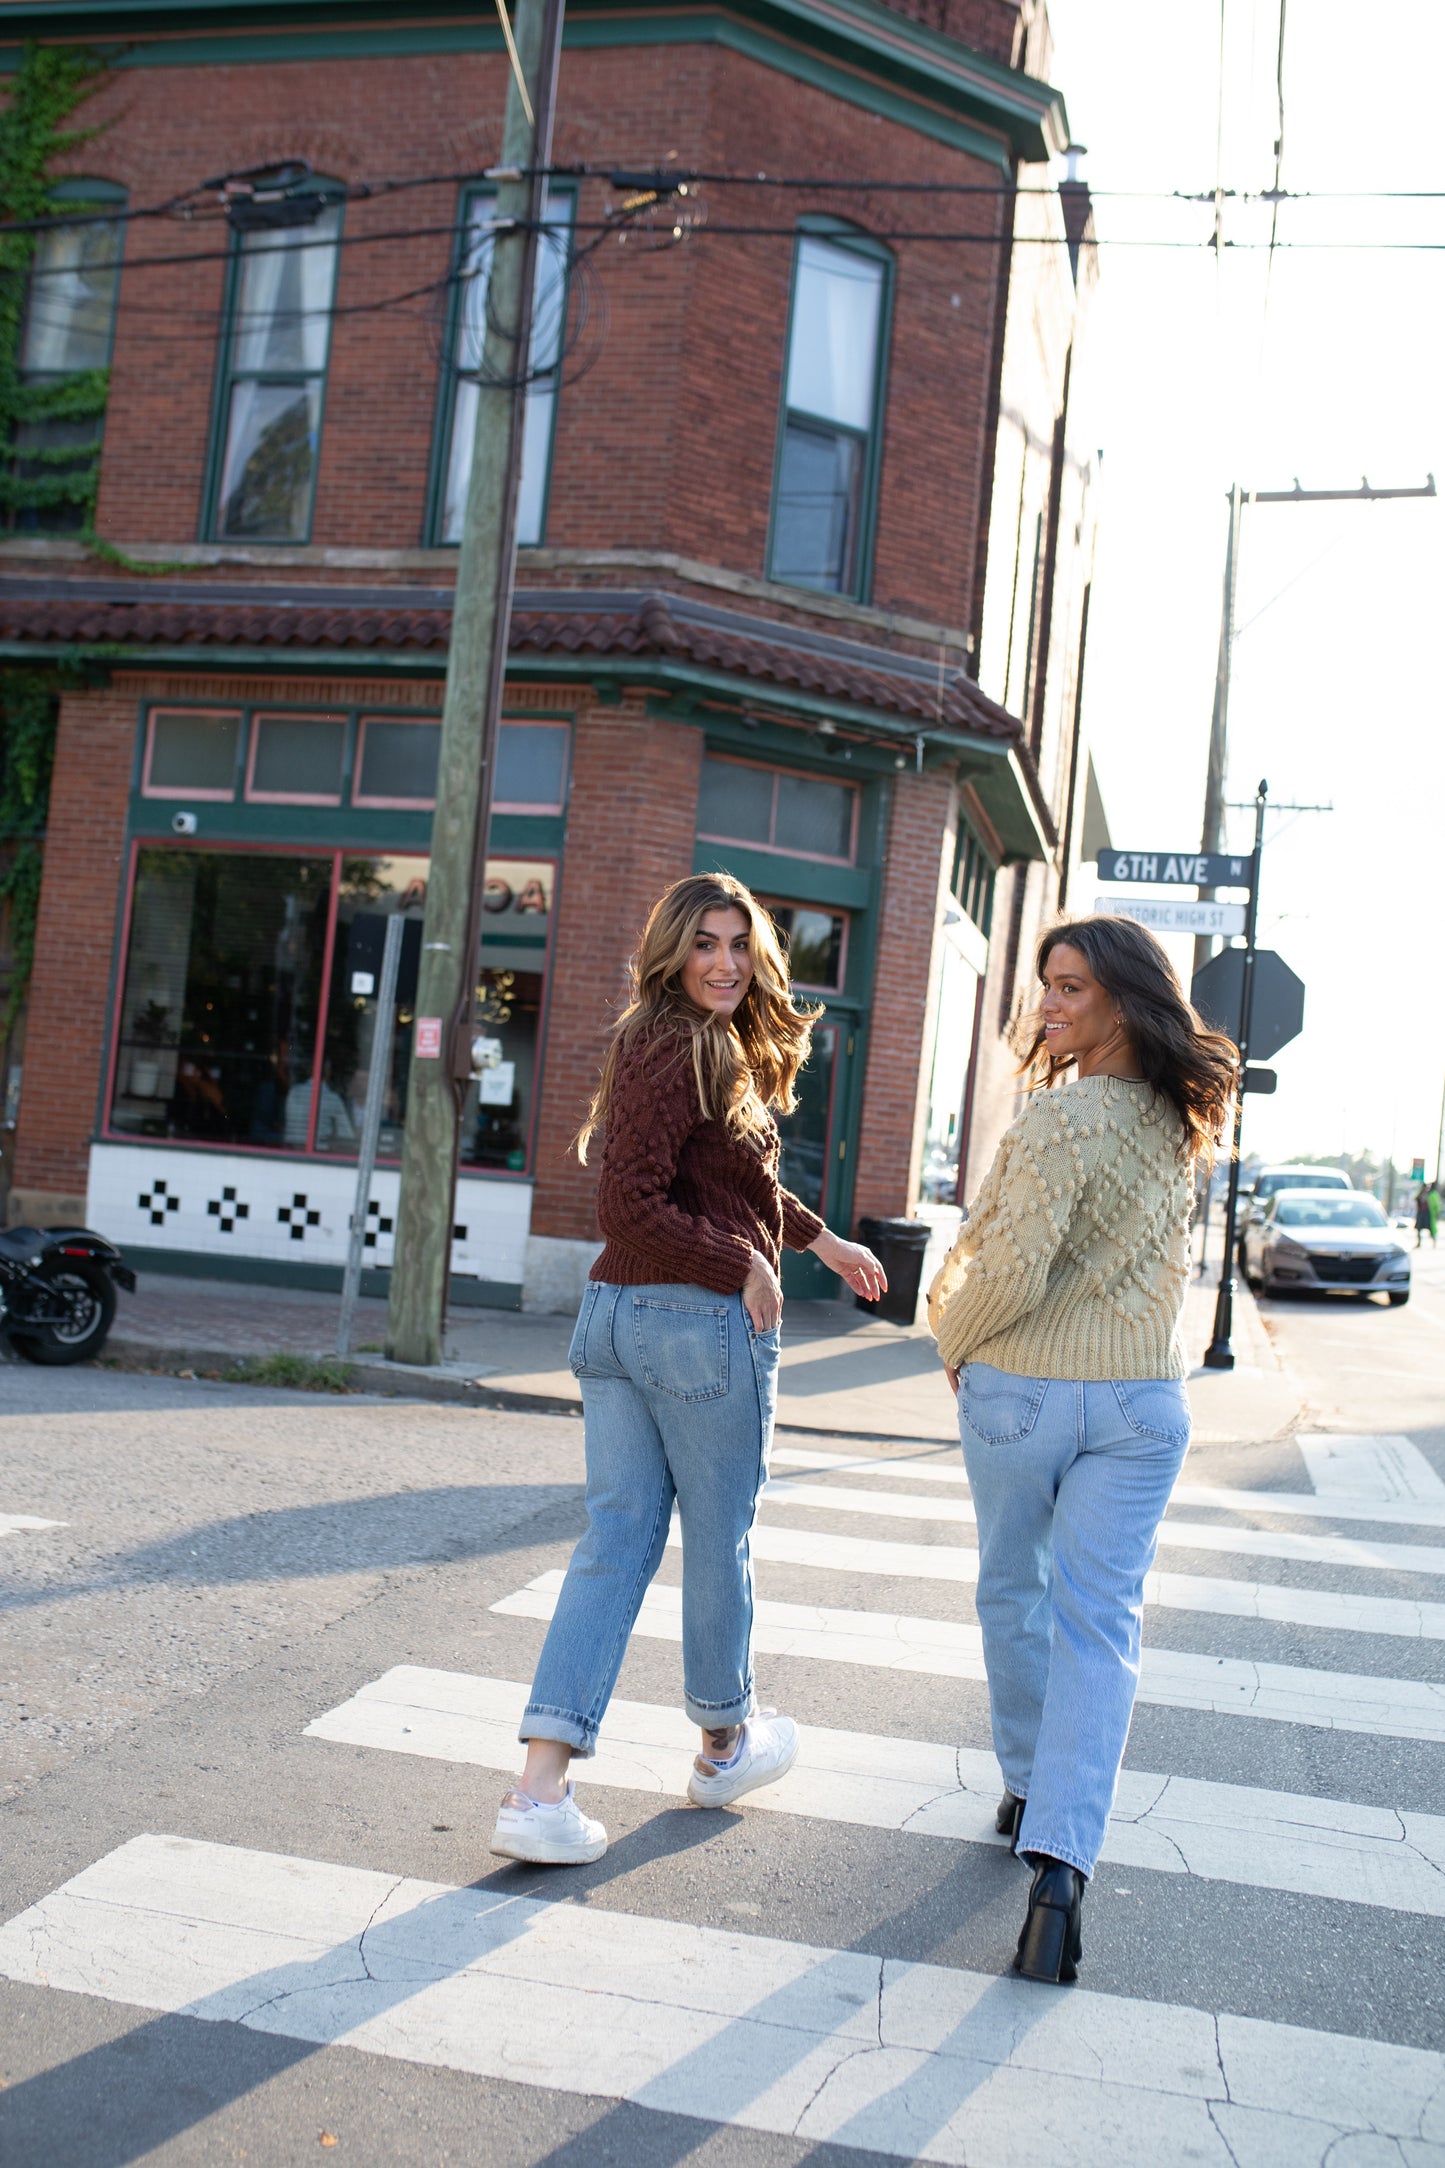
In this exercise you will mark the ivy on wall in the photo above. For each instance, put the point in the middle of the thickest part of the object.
(27, 752)
(50, 84)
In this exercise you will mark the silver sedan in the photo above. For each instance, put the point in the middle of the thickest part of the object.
(1325, 1239)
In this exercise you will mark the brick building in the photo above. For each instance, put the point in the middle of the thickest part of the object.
(803, 588)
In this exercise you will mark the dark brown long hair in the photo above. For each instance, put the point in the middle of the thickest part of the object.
(1195, 1068)
(744, 1065)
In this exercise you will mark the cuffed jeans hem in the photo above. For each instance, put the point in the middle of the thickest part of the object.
(1057, 1851)
(561, 1725)
(718, 1715)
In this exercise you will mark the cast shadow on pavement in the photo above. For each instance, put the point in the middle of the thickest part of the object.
(435, 1526)
(115, 2104)
(119, 2102)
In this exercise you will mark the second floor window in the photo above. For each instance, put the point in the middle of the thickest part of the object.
(63, 360)
(273, 379)
(828, 455)
(458, 418)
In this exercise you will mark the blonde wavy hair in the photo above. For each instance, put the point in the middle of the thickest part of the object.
(746, 1064)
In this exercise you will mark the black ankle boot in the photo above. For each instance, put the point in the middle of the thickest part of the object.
(1008, 1817)
(1050, 1943)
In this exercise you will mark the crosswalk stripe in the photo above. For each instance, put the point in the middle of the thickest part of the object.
(1392, 1510)
(1217, 1832)
(1387, 1467)
(1174, 1535)
(1331, 1608)
(749, 2031)
(945, 1648)
(14, 1524)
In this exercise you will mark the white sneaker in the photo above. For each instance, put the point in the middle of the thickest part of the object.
(767, 1751)
(557, 1836)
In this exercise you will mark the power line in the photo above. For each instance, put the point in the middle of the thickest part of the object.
(184, 209)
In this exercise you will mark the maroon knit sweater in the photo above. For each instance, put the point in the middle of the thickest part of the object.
(681, 1199)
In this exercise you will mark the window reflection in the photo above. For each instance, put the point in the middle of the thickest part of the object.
(221, 1008)
(372, 890)
(218, 1016)
(516, 918)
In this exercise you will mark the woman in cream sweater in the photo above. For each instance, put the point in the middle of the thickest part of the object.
(1058, 1310)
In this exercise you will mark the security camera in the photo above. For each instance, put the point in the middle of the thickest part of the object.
(183, 824)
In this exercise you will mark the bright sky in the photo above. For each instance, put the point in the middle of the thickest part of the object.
(1337, 690)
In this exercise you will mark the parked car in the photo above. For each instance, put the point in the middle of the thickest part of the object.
(1321, 1239)
(1271, 1180)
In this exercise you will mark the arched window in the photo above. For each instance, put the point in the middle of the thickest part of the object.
(826, 479)
(272, 381)
(64, 353)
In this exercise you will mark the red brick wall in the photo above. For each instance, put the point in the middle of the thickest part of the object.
(668, 440)
(920, 835)
(631, 818)
(84, 845)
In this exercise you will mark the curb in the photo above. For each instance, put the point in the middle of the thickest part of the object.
(391, 1381)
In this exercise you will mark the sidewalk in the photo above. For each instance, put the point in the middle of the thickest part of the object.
(843, 1374)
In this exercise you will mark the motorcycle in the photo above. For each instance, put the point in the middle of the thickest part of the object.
(57, 1292)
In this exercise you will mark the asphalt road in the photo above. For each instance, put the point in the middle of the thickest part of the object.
(1368, 1366)
(240, 1940)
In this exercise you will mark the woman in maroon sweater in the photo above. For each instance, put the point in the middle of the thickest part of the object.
(676, 1348)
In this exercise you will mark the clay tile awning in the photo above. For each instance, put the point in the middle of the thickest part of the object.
(668, 636)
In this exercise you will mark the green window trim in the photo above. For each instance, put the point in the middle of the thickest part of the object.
(229, 376)
(50, 484)
(839, 234)
(974, 877)
(531, 531)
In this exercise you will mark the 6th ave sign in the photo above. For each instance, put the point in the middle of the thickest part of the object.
(1176, 869)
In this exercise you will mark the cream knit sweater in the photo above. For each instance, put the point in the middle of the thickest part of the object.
(1074, 1258)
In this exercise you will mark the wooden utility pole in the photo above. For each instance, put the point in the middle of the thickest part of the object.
(476, 672)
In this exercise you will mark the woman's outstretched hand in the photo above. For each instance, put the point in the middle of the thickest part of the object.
(852, 1262)
(762, 1294)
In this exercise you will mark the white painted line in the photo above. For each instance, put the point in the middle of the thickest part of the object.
(1388, 1467)
(1226, 1598)
(1174, 1535)
(741, 2030)
(944, 1648)
(1217, 1832)
(14, 1524)
(1397, 1511)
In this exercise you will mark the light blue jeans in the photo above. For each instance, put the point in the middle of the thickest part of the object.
(1069, 1483)
(678, 1392)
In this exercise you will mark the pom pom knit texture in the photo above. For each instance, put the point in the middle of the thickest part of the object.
(680, 1198)
(1075, 1256)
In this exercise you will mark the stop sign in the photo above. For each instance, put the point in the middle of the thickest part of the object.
(1277, 1009)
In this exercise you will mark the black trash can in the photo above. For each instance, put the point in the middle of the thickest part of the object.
(898, 1244)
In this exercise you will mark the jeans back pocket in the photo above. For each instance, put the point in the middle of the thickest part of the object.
(999, 1407)
(1155, 1408)
(682, 1347)
(577, 1352)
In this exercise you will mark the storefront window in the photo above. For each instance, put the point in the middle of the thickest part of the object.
(222, 1015)
(371, 891)
(805, 1132)
(516, 919)
(776, 810)
(814, 940)
(222, 983)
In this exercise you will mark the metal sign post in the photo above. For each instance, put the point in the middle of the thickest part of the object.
(1219, 1355)
(376, 1083)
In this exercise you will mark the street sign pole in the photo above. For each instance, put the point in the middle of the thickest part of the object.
(1219, 1355)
